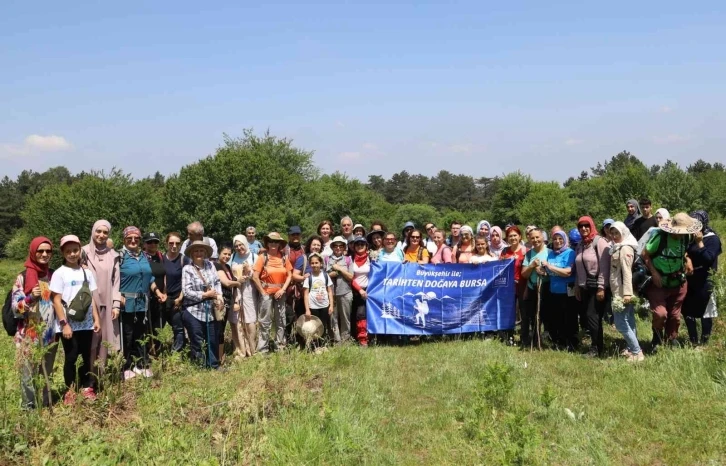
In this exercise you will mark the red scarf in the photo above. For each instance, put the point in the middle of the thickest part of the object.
(593, 229)
(34, 271)
(360, 259)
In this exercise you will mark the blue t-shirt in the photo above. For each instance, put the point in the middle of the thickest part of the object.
(566, 258)
(255, 247)
(136, 278)
(299, 265)
(528, 259)
(395, 256)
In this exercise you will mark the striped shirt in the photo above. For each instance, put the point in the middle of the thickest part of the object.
(193, 288)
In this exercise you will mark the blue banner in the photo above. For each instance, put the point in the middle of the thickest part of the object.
(413, 299)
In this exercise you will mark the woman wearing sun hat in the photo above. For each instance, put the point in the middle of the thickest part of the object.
(666, 258)
(272, 276)
(700, 302)
(202, 290)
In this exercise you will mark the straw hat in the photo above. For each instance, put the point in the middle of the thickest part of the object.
(198, 244)
(274, 236)
(681, 224)
(309, 327)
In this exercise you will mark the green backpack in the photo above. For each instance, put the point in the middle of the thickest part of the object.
(78, 308)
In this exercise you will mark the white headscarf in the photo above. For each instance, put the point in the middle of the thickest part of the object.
(663, 213)
(626, 238)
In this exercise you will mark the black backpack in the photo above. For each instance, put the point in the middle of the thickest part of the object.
(9, 321)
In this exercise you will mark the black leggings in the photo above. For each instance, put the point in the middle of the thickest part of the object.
(134, 330)
(78, 345)
(594, 311)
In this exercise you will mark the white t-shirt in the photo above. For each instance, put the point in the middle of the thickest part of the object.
(481, 259)
(360, 273)
(67, 282)
(318, 296)
(431, 247)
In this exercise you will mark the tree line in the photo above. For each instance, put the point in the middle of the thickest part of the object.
(266, 181)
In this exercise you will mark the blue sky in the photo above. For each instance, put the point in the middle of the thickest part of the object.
(481, 88)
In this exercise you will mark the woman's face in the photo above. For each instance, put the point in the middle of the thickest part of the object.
(584, 229)
(100, 236)
(466, 237)
(225, 255)
(358, 232)
(43, 254)
(360, 247)
(513, 238)
(325, 230)
(338, 249)
(496, 237)
(631, 209)
(316, 246)
(152, 247)
(615, 235)
(484, 230)
(71, 253)
(439, 238)
(172, 244)
(131, 242)
(389, 243)
(481, 246)
(199, 254)
(658, 217)
(535, 237)
(377, 241)
(558, 242)
(415, 238)
(273, 247)
(240, 247)
(407, 231)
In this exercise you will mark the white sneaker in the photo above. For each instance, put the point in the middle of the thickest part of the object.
(128, 375)
(138, 371)
(147, 373)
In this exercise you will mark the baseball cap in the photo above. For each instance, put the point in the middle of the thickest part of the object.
(151, 237)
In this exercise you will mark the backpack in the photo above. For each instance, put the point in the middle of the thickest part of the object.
(267, 258)
(310, 280)
(9, 321)
(78, 307)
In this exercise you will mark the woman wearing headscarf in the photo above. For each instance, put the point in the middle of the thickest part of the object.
(483, 228)
(33, 310)
(464, 249)
(202, 290)
(103, 262)
(243, 262)
(633, 214)
(561, 315)
(496, 242)
(622, 254)
(137, 283)
(593, 280)
(700, 302)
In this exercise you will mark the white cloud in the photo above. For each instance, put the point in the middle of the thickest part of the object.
(34, 144)
(370, 146)
(671, 139)
(50, 143)
(461, 148)
(573, 142)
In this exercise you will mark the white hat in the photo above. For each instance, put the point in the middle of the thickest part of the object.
(309, 327)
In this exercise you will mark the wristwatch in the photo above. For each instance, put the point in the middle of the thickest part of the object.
(63, 323)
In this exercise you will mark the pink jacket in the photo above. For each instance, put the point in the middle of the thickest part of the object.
(586, 263)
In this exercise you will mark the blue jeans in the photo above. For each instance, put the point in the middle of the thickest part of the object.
(625, 323)
(175, 319)
(201, 332)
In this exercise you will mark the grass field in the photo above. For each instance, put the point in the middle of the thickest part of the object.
(448, 402)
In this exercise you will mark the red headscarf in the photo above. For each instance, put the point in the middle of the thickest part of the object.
(34, 271)
(593, 229)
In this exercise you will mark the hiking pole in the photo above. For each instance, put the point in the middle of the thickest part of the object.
(209, 343)
(121, 341)
(539, 302)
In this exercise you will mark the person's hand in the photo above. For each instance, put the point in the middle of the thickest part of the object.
(67, 332)
(537, 263)
(209, 294)
(306, 276)
(657, 280)
(688, 266)
(363, 294)
(578, 293)
(123, 300)
(330, 310)
(279, 293)
(627, 299)
(35, 292)
(698, 237)
(114, 313)
(162, 297)
(308, 315)
(177, 303)
(96, 326)
(600, 294)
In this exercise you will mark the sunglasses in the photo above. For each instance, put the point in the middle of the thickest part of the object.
(174, 243)
(430, 227)
(134, 239)
(44, 251)
(584, 225)
(415, 237)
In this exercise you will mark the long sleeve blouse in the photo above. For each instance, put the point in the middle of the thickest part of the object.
(193, 288)
(593, 260)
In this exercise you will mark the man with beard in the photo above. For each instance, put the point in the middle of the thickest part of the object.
(294, 297)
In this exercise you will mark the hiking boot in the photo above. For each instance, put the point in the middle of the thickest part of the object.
(69, 398)
(89, 393)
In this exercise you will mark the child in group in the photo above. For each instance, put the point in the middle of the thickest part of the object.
(481, 251)
(76, 317)
(318, 294)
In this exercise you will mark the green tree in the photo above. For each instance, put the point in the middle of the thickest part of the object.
(511, 189)
(546, 205)
(419, 214)
(679, 191)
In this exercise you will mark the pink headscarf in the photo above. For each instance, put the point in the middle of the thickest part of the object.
(93, 249)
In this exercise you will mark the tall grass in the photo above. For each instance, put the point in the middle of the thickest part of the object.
(447, 402)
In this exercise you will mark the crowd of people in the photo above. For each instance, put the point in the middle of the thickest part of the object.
(281, 291)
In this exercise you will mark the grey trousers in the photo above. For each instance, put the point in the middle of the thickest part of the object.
(27, 383)
(340, 319)
(271, 309)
